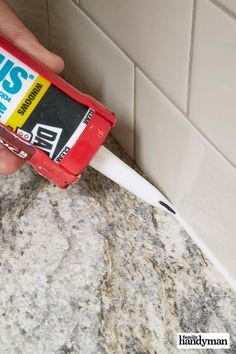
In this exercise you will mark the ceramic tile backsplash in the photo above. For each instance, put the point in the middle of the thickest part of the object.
(34, 16)
(156, 34)
(213, 91)
(94, 64)
(188, 169)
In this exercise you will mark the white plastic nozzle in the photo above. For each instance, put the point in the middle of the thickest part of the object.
(111, 166)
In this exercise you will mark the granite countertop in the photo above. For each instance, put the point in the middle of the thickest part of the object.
(92, 269)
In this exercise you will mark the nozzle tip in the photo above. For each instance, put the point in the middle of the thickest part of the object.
(167, 206)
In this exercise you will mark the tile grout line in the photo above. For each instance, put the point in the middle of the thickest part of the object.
(223, 8)
(48, 22)
(77, 4)
(190, 65)
(156, 86)
(134, 112)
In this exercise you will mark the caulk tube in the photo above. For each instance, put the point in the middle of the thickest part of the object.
(111, 166)
(63, 130)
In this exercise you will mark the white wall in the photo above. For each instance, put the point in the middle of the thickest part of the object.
(168, 69)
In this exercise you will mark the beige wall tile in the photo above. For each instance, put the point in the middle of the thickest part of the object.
(164, 141)
(196, 178)
(94, 64)
(34, 14)
(213, 90)
(210, 208)
(156, 34)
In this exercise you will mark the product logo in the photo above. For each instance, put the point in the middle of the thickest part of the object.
(12, 75)
(46, 138)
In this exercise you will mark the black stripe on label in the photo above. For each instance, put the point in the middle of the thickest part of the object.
(54, 121)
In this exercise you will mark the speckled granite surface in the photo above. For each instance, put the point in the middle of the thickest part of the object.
(94, 270)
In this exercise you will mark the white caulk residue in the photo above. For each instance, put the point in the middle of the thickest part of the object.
(111, 166)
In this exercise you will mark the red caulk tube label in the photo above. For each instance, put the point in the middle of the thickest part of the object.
(37, 110)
